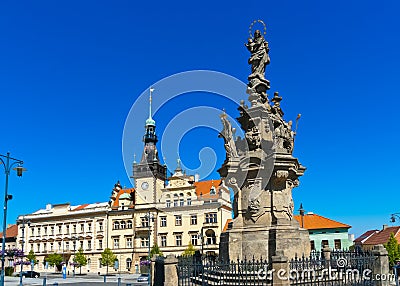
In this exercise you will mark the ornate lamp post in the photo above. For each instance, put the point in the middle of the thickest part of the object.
(8, 163)
(73, 262)
(150, 218)
(394, 216)
(23, 221)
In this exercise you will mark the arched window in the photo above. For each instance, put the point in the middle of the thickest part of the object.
(211, 238)
(128, 263)
(116, 225)
(129, 224)
(123, 225)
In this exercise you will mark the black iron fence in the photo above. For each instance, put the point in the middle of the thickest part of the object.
(333, 268)
(207, 271)
(329, 268)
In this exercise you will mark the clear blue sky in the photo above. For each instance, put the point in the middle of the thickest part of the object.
(71, 70)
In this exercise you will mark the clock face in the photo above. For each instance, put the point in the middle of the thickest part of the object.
(145, 185)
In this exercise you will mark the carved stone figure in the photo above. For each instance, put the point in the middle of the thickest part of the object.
(228, 134)
(258, 60)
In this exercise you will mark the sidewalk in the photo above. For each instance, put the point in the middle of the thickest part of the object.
(111, 280)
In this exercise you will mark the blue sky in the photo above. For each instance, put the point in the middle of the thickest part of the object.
(71, 70)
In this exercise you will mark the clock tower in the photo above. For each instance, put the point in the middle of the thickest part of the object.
(149, 174)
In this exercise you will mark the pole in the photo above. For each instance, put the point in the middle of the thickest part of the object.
(3, 244)
(73, 261)
(22, 249)
(148, 220)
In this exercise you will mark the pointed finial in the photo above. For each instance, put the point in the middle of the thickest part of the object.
(134, 158)
(150, 100)
(178, 166)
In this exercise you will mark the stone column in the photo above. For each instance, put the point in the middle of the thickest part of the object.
(171, 270)
(381, 264)
(280, 268)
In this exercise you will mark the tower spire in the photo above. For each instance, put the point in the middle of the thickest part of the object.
(150, 100)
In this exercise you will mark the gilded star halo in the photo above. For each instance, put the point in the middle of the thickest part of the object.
(255, 22)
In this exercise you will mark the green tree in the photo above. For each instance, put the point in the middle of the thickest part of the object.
(80, 259)
(54, 259)
(189, 251)
(32, 256)
(108, 258)
(393, 249)
(155, 250)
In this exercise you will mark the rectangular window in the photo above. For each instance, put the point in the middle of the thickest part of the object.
(178, 240)
(324, 243)
(45, 230)
(32, 231)
(116, 242)
(338, 244)
(60, 229)
(52, 230)
(89, 244)
(144, 242)
(38, 231)
(89, 227)
(38, 247)
(129, 242)
(178, 220)
(100, 244)
(51, 246)
(163, 240)
(81, 244)
(175, 203)
(100, 265)
(189, 201)
(193, 219)
(82, 227)
(181, 202)
(59, 246)
(211, 218)
(74, 227)
(100, 226)
(168, 203)
(194, 238)
(68, 229)
(312, 243)
(145, 221)
(163, 221)
(66, 245)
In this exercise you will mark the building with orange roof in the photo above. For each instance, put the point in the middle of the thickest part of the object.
(325, 232)
(170, 212)
(11, 241)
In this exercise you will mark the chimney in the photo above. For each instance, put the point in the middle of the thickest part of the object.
(385, 226)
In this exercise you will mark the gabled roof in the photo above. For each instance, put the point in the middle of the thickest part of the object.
(383, 236)
(314, 221)
(203, 188)
(365, 236)
(12, 231)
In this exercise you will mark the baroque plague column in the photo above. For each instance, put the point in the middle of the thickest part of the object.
(261, 170)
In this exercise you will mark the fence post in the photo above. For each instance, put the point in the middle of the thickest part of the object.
(280, 267)
(326, 252)
(381, 265)
(152, 268)
(171, 270)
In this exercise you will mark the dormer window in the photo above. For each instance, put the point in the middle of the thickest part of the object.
(212, 191)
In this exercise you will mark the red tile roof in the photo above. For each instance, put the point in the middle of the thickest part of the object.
(12, 231)
(226, 225)
(120, 192)
(365, 235)
(204, 187)
(81, 207)
(383, 236)
(314, 221)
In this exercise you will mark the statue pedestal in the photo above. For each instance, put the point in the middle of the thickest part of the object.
(258, 241)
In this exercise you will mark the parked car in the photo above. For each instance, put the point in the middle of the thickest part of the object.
(30, 274)
(143, 278)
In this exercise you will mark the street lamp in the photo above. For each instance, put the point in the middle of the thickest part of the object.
(73, 261)
(23, 221)
(150, 218)
(394, 216)
(7, 168)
